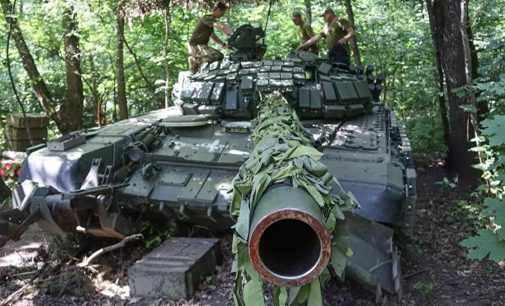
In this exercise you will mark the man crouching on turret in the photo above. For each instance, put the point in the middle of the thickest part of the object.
(199, 50)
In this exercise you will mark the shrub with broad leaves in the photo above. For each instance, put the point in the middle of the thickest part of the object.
(490, 241)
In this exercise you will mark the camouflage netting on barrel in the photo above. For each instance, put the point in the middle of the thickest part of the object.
(289, 211)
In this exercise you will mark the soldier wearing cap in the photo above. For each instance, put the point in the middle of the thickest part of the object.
(305, 31)
(199, 50)
(337, 32)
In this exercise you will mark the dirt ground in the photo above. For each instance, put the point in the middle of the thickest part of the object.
(435, 270)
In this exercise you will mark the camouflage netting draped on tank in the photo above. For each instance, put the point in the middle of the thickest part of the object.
(283, 154)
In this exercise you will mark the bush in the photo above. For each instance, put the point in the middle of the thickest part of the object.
(490, 241)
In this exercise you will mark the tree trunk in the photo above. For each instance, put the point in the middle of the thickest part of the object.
(70, 113)
(38, 84)
(120, 77)
(97, 105)
(308, 11)
(442, 106)
(354, 40)
(453, 45)
(482, 106)
(166, 48)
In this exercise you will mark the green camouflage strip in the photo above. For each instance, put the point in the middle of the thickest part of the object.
(283, 153)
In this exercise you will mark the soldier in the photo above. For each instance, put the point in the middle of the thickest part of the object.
(199, 50)
(305, 31)
(337, 32)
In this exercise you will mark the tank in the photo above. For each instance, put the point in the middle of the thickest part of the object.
(298, 156)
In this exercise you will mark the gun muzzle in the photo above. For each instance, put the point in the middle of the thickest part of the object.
(289, 244)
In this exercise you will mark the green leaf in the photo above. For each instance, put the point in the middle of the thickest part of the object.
(307, 151)
(315, 296)
(331, 222)
(243, 261)
(495, 208)
(284, 173)
(303, 294)
(237, 290)
(293, 294)
(260, 184)
(312, 190)
(487, 243)
(338, 261)
(469, 108)
(280, 296)
(340, 251)
(242, 225)
(253, 293)
(493, 129)
(315, 167)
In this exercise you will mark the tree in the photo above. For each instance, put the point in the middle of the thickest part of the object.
(40, 88)
(435, 35)
(308, 10)
(451, 41)
(166, 48)
(354, 40)
(120, 75)
(70, 113)
(69, 116)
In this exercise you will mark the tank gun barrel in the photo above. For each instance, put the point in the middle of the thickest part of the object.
(288, 204)
(289, 244)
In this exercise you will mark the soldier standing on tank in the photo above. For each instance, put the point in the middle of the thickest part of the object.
(337, 32)
(199, 50)
(305, 31)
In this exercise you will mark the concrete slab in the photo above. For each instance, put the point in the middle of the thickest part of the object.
(174, 269)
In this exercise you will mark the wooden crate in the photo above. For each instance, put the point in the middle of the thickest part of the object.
(16, 134)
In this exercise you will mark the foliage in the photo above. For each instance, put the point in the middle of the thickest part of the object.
(156, 232)
(394, 37)
(490, 241)
(425, 287)
(490, 144)
(467, 213)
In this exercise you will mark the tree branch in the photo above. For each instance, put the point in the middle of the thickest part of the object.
(139, 67)
(39, 86)
(11, 78)
(87, 260)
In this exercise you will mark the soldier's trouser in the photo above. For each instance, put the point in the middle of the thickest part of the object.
(200, 54)
(339, 55)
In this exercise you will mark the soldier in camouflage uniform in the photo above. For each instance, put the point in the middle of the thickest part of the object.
(305, 31)
(337, 33)
(199, 50)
